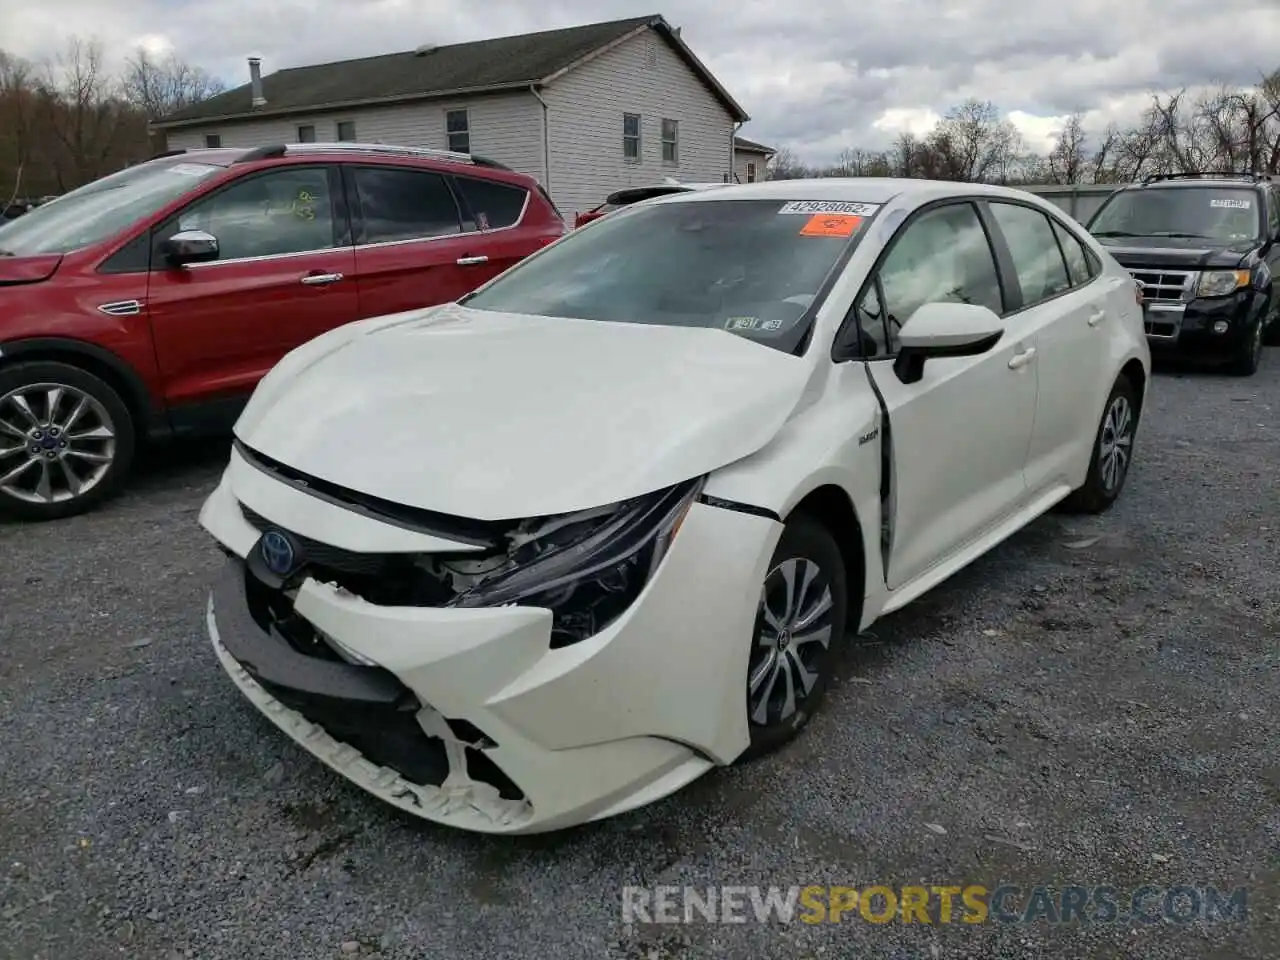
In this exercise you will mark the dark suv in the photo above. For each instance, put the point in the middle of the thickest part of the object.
(1206, 248)
(149, 303)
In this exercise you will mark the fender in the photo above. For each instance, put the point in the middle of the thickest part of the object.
(137, 396)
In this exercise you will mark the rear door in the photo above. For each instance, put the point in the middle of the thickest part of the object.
(283, 276)
(411, 250)
(497, 212)
(1066, 314)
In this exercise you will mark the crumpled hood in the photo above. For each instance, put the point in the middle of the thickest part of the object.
(502, 416)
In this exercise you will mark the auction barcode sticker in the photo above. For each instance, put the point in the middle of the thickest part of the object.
(1231, 204)
(846, 207)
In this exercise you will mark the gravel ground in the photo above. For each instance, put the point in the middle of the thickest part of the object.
(1094, 702)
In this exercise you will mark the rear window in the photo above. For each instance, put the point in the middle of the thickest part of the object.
(493, 205)
(752, 267)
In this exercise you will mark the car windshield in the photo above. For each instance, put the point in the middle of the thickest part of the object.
(753, 267)
(1224, 214)
(101, 209)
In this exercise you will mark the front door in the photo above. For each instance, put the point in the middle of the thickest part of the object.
(960, 434)
(283, 276)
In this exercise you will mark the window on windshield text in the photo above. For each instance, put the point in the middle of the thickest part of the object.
(1223, 214)
(753, 267)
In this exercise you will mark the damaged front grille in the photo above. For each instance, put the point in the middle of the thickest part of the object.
(385, 730)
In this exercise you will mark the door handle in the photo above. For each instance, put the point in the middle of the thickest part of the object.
(471, 261)
(318, 279)
(1097, 318)
(1019, 360)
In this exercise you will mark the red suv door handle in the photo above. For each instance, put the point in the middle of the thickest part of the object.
(471, 261)
(318, 279)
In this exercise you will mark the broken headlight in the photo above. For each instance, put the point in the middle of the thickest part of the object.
(586, 567)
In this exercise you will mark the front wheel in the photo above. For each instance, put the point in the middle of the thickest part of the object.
(1249, 358)
(66, 440)
(1112, 452)
(802, 609)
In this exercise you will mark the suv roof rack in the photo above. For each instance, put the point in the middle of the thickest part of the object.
(1209, 175)
(276, 151)
(168, 153)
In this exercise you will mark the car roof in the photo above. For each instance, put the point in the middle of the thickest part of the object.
(878, 190)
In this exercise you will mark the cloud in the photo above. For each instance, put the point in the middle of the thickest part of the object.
(833, 75)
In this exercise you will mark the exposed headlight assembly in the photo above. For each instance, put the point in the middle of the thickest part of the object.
(1219, 283)
(587, 567)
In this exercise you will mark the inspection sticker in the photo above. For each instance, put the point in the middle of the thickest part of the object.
(831, 225)
(812, 207)
(752, 323)
(1232, 204)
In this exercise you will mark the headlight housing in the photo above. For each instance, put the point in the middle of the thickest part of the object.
(587, 567)
(1219, 283)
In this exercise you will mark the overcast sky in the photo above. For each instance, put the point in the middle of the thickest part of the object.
(816, 76)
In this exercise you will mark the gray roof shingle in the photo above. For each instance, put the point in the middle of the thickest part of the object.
(474, 67)
(742, 143)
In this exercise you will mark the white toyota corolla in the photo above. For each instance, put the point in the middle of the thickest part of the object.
(552, 552)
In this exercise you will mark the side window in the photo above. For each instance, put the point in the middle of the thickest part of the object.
(493, 205)
(943, 256)
(1275, 211)
(285, 211)
(1042, 273)
(404, 204)
(1079, 267)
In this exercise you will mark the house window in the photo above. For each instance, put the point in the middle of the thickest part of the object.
(457, 128)
(670, 141)
(631, 136)
(346, 131)
(751, 173)
(307, 133)
(213, 139)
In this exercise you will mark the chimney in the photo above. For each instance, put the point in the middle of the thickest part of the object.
(255, 82)
(676, 31)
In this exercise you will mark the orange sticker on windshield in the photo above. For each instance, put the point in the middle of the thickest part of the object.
(831, 225)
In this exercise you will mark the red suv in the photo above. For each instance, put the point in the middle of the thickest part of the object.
(149, 303)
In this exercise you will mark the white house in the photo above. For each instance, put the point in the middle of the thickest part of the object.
(750, 160)
(587, 110)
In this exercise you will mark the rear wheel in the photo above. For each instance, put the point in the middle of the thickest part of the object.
(1112, 452)
(802, 610)
(66, 440)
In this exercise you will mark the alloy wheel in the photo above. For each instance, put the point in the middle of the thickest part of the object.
(1115, 445)
(56, 443)
(796, 610)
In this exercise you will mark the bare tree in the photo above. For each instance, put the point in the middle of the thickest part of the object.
(17, 123)
(974, 143)
(785, 165)
(87, 118)
(159, 87)
(1068, 160)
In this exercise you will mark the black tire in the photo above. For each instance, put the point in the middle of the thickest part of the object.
(1245, 363)
(804, 541)
(110, 411)
(1271, 336)
(1098, 493)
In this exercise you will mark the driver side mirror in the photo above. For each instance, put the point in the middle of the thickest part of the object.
(938, 330)
(190, 246)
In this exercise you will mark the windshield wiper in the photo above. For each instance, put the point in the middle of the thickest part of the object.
(1180, 236)
(1115, 233)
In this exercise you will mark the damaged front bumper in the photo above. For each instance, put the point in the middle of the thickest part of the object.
(469, 717)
